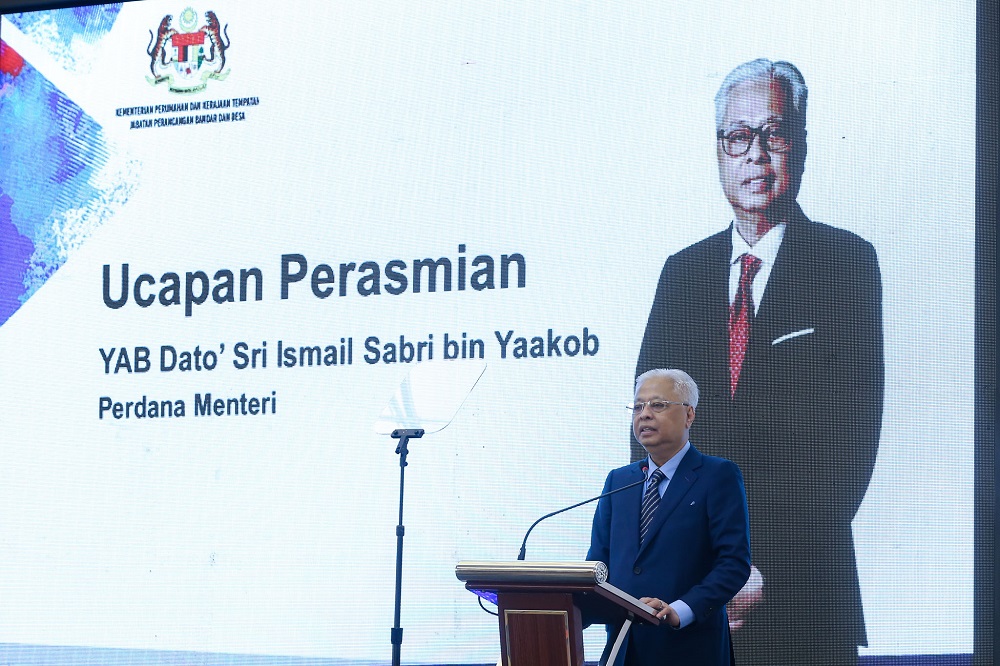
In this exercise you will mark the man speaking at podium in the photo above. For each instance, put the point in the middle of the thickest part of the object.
(681, 541)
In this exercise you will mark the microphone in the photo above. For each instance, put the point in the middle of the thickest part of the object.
(645, 468)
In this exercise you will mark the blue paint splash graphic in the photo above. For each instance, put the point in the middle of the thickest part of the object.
(61, 31)
(58, 179)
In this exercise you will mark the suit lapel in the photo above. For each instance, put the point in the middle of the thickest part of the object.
(631, 501)
(781, 303)
(685, 477)
(721, 251)
(785, 268)
(717, 316)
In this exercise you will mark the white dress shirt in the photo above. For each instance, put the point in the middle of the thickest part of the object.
(766, 250)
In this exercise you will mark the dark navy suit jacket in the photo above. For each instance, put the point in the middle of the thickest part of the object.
(698, 551)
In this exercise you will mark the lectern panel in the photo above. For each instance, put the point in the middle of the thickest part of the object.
(537, 638)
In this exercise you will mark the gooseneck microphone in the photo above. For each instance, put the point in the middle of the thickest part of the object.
(645, 468)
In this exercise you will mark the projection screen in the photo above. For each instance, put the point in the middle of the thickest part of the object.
(228, 232)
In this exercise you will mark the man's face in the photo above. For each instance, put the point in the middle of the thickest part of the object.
(664, 433)
(754, 182)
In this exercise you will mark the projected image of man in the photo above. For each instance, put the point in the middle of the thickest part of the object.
(680, 542)
(779, 318)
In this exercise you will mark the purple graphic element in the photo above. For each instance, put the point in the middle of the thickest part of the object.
(43, 655)
(15, 250)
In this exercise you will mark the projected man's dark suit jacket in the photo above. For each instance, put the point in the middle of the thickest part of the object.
(804, 424)
(697, 550)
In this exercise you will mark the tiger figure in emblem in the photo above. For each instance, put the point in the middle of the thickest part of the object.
(157, 48)
(218, 39)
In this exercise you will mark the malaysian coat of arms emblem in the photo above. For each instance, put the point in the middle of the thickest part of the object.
(188, 57)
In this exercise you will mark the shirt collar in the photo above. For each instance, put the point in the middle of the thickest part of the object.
(670, 467)
(766, 248)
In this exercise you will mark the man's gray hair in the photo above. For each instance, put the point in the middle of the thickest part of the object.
(785, 73)
(686, 388)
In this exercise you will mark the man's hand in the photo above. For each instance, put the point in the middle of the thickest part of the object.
(663, 610)
(742, 604)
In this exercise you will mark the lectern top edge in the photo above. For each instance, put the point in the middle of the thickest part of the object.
(518, 571)
(520, 576)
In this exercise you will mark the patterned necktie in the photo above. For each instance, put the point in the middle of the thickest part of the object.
(650, 501)
(741, 314)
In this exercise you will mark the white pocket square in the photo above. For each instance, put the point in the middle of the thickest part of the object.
(789, 336)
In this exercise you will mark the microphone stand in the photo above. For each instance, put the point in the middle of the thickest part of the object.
(404, 436)
(520, 555)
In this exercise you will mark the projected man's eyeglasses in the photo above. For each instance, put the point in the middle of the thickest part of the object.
(737, 142)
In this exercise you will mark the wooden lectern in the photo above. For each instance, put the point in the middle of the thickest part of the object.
(542, 606)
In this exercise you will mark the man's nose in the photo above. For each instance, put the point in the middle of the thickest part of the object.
(758, 150)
